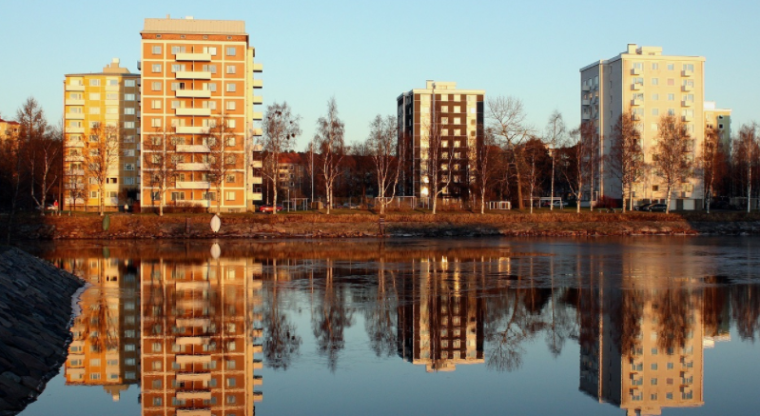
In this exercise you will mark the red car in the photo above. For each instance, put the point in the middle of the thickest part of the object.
(269, 208)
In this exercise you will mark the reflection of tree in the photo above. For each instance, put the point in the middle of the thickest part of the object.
(745, 306)
(281, 342)
(98, 322)
(381, 315)
(509, 324)
(559, 326)
(673, 309)
(626, 313)
(331, 320)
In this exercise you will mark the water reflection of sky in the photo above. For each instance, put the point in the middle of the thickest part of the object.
(416, 327)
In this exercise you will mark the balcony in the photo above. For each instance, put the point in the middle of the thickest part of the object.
(192, 322)
(193, 185)
(187, 359)
(193, 148)
(687, 73)
(258, 67)
(75, 172)
(637, 117)
(193, 112)
(687, 103)
(257, 349)
(257, 180)
(257, 99)
(586, 116)
(73, 158)
(257, 132)
(200, 57)
(258, 396)
(636, 87)
(139, 65)
(193, 412)
(74, 129)
(192, 75)
(74, 143)
(74, 116)
(192, 285)
(687, 88)
(258, 83)
(637, 103)
(257, 364)
(258, 380)
(192, 130)
(585, 88)
(190, 395)
(70, 87)
(257, 115)
(193, 94)
(192, 166)
(71, 101)
(687, 119)
(194, 377)
(635, 71)
(257, 196)
(112, 87)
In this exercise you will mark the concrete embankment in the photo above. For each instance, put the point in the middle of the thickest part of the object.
(35, 315)
(394, 225)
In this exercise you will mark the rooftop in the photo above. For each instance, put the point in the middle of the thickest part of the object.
(190, 25)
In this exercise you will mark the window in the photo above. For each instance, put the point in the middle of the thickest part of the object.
(211, 50)
(231, 123)
(655, 65)
(129, 166)
(230, 51)
(211, 86)
(157, 401)
(655, 97)
(231, 399)
(210, 68)
(155, 86)
(230, 382)
(231, 105)
(94, 96)
(231, 141)
(655, 81)
(230, 69)
(93, 194)
(670, 366)
(177, 67)
(688, 67)
(654, 366)
(457, 120)
(156, 49)
(131, 124)
(671, 112)
(129, 83)
(178, 49)
(130, 111)
(156, 122)
(209, 104)
(671, 67)
(94, 110)
(129, 97)
(230, 196)
(178, 196)
(671, 97)
(671, 82)
(94, 82)
(176, 104)
(155, 104)
(669, 396)
(231, 87)
(230, 363)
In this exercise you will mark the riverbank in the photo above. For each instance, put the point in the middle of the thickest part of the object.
(35, 315)
(411, 224)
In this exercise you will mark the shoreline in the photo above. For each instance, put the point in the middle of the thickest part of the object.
(394, 225)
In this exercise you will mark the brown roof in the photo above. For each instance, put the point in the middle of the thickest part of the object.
(189, 25)
(290, 158)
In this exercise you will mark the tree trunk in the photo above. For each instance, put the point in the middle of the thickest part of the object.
(274, 195)
(551, 199)
(624, 194)
(520, 202)
(483, 200)
(667, 200)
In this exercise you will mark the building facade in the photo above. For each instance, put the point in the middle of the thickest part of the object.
(8, 129)
(455, 114)
(650, 85)
(198, 102)
(99, 105)
(719, 118)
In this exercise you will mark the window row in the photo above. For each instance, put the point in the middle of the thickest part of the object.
(210, 50)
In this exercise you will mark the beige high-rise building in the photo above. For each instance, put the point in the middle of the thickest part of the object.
(198, 99)
(457, 115)
(649, 84)
(109, 102)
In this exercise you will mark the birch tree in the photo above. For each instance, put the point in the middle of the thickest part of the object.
(555, 134)
(746, 151)
(329, 139)
(626, 156)
(281, 127)
(45, 153)
(101, 158)
(709, 162)
(221, 163)
(578, 172)
(672, 155)
(507, 118)
(381, 146)
(160, 162)
(486, 165)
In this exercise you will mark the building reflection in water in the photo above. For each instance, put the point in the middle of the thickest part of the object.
(199, 320)
(105, 347)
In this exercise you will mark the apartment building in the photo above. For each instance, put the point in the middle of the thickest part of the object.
(101, 127)
(199, 323)
(198, 113)
(8, 129)
(719, 118)
(649, 84)
(455, 114)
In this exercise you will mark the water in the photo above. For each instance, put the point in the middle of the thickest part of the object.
(482, 326)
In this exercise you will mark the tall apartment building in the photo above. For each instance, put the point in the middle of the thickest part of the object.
(719, 118)
(649, 84)
(198, 112)
(109, 101)
(457, 114)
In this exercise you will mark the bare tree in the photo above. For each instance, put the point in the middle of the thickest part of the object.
(555, 134)
(45, 153)
(101, 158)
(626, 156)
(329, 139)
(220, 161)
(709, 161)
(508, 121)
(160, 162)
(672, 154)
(578, 172)
(280, 128)
(746, 150)
(486, 165)
(381, 146)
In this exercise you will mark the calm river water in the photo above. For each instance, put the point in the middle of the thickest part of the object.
(661, 325)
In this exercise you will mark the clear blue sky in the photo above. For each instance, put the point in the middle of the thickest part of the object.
(367, 53)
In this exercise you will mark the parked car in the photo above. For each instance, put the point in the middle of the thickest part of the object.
(269, 208)
(658, 208)
(560, 204)
(644, 207)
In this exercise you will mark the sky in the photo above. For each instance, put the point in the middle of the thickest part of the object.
(367, 53)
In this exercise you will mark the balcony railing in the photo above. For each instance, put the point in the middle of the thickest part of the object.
(193, 148)
(635, 71)
(70, 87)
(257, 115)
(75, 116)
(636, 87)
(687, 88)
(73, 101)
(258, 83)
(193, 185)
(74, 129)
(193, 75)
(258, 67)
(192, 111)
(687, 103)
(687, 119)
(193, 94)
(192, 130)
(585, 102)
(201, 57)
(257, 99)
(687, 73)
(637, 103)
(192, 166)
